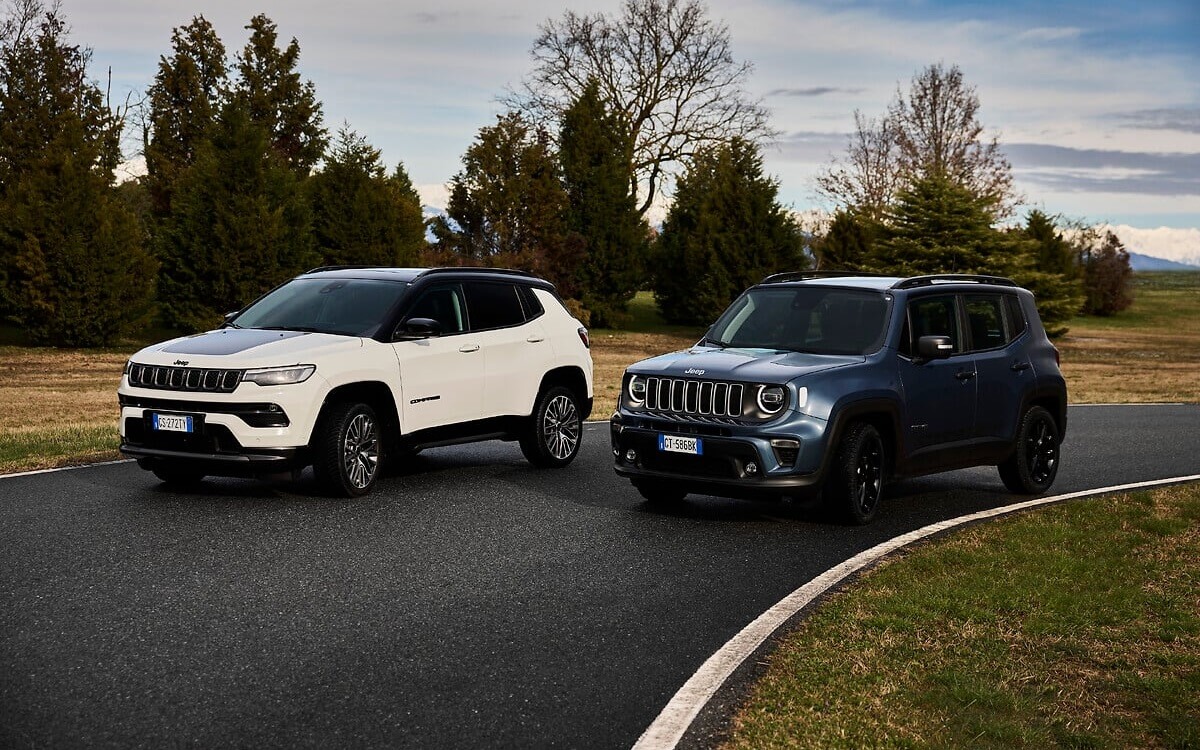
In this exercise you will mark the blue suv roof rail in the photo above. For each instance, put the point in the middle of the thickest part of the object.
(966, 278)
(779, 278)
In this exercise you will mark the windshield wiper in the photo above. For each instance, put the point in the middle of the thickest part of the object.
(713, 342)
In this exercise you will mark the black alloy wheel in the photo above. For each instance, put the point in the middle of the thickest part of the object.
(856, 482)
(1035, 459)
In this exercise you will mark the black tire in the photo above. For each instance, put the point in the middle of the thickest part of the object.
(1034, 463)
(855, 484)
(658, 492)
(177, 473)
(555, 430)
(348, 449)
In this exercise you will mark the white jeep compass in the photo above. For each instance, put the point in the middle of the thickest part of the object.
(347, 368)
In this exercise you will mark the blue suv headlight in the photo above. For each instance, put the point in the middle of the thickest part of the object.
(637, 390)
(771, 398)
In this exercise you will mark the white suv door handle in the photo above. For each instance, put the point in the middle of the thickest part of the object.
(536, 339)
(468, 348)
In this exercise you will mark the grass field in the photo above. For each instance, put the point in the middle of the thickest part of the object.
(1150, 352)
(1077, 626)
(59, 406)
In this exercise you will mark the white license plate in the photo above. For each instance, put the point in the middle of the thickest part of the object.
(676, 444)
(172, 422)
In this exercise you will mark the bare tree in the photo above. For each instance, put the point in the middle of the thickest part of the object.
(870, 174)
(663, 64)
(933, 131)
(20, 18)
(938, 132)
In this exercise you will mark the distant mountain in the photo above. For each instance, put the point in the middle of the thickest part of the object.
(1140, 262)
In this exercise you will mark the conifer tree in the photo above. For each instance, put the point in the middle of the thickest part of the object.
(1051, 272)
(596, 150)
(846, 245)
(938, 226)
(271, 91)
(240, 224)
(72, 267)
(411, 228)
(508, 207)
(184, 101)
(360, 214)
(725, 232)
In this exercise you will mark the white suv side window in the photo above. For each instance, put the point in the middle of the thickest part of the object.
(443, 304)
(493, 305)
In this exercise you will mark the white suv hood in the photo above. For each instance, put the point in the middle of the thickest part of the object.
(243, 348)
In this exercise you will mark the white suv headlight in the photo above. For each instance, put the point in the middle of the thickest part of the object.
(279, 375)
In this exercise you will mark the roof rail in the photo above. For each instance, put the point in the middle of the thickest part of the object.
(476, 269)
(966, 278)
(777, 278)
(336, 268)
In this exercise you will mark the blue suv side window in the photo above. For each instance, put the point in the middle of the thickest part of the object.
(985, 315)
(932, 316)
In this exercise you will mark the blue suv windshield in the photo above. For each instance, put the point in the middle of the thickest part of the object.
(808, 319)
(349, 307)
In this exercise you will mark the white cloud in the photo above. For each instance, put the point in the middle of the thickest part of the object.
(1049, 34)
(436, 194)
(420, 80)
(1182, 245)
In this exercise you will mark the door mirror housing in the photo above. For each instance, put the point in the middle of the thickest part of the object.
(418, 328)
(934, 347)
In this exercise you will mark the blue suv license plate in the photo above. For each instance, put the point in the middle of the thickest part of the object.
(675, 444)
(172, 422)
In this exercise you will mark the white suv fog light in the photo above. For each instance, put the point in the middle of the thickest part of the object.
(751, 468)
(631, 455)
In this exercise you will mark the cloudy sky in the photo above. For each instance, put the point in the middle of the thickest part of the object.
(1097, 104)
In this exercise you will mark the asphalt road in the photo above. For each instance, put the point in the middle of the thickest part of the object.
(472, 602)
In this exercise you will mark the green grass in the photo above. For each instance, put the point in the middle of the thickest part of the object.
(643, 317)
(1073, 626)
(57, 447)
(1161, 299)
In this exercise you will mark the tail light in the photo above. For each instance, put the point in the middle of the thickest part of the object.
(583, 336)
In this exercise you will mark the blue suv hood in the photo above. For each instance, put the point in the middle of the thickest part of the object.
(747, 365)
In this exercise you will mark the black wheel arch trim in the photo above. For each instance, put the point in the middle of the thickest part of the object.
(882, 412)
(572, 378)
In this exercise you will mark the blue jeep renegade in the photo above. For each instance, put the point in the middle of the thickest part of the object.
(837, 383)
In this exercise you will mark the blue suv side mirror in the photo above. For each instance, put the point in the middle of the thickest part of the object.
(934, 347)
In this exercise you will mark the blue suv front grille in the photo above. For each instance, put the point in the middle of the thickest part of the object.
(702, 398)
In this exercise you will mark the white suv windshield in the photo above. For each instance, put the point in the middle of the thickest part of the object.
(805, 319)
(351, 307)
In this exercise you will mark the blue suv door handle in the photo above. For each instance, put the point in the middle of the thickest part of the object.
(1020, 366)
(965, 374)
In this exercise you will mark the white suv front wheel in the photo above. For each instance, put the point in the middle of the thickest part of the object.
(348, 449)
(555, 429)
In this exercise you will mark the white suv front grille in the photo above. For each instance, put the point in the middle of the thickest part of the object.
(196, 379)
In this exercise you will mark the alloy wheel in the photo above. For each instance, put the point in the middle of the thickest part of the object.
(361, 451)
(560, 427)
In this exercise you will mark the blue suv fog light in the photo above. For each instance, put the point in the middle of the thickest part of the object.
(786, 451)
